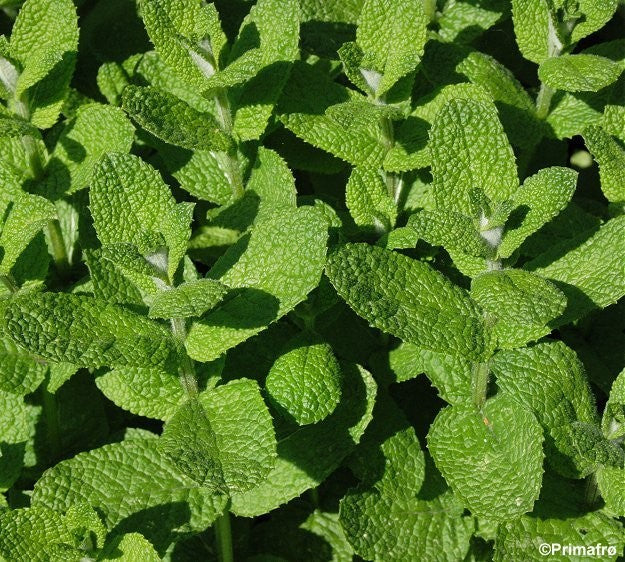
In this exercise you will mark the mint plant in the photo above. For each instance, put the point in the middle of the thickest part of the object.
(304, 280)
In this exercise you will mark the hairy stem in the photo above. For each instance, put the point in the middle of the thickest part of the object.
(429, 7)
(480, 383)
(187, 368)
(50, 413)
(59, 252)
(223, 535)
(232, 164)
(591, 494)
(9, 282)
(543, 101)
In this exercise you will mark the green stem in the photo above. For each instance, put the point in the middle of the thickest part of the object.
(543, 101)
(429, 7)
(223, 534)
(592, 490)
(480, 383)
(59, 252)
(187, 368)
(231, 160)
(51, 416)
(9, 282)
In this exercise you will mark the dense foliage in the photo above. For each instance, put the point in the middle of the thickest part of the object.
(312, 280)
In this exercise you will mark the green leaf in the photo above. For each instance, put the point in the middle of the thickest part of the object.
(35, 533)
(450, 230)
(463, 21)
(20, 373)
(470, 152)
(132, 547)
(27, 215)
(108, 282)
(129, 201)
(522, 304)
(549, 380)
(392, 38)
(591, 275)
(15, 431)
(492, 459)
(611, 159)
(540, 198)
(579, 73)
(187, 299)
(307, 455)
(44, 41)
(244, 434)
(131, 484)
(534, 28)
(452, 375)
(303, 109)
(145, 391)
(521, 539)
(613, 420)
(173, 120)
(188, 440)
(96, 130)
(87, 332)
(271, 185)
(407, 298)
(176, 29)
(305, 382)
(594, 15)
(273, 269)
(368, 201)
(279, 46)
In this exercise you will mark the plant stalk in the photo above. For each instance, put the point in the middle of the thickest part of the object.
(50, 413)
(59, 252)
(9, 282)
(187, 368)
(223, 536)
(591, 494)
(480, 383)
(232, 164)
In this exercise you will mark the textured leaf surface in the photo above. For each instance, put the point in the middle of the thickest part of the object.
(187, 299)
(14, 432)
(305, 382)
(273, 268)
(96, 130)
(540, 198)
(611, 159)
(87, 332)
(533, 25)
(450, 230)
(132, 546)
(173, 120)
(368, 201)
(307, 455)
(20, 373)
(407, 298)
(27, 215)
(592, 274)
(470, 151)
(303, 110)
(520, 539)
(579, 73)
(44, 28)
(131, 483)
(37, 534)
(492, 459)
(523, 304)
(549, 380)
(129, 201)
(392, 37)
